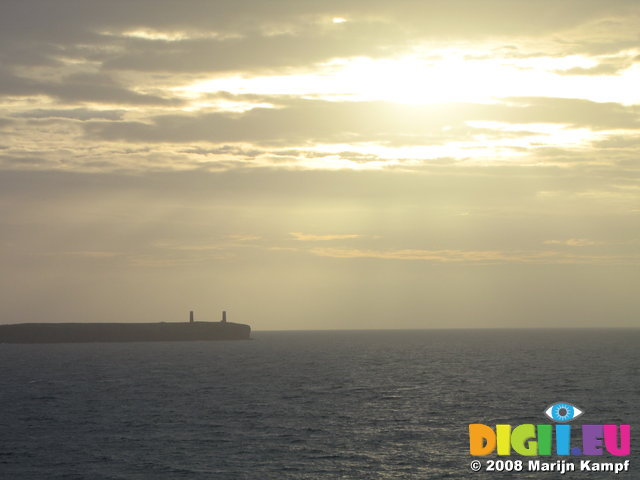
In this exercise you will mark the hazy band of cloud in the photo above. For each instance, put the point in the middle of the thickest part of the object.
(321, 121)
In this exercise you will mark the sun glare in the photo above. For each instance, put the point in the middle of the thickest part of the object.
(408, 80)
(451, 75)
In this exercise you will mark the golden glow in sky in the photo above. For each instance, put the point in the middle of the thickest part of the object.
(438, 160)
(449, 77)
(440, 76)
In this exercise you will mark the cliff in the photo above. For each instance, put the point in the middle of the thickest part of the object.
(122, 332)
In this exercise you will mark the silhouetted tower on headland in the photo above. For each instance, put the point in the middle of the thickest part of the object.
(191, 316)
(224, 316)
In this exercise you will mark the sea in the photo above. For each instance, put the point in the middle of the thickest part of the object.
(307, 404)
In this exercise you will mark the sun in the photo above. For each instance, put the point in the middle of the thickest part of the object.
(416, 80)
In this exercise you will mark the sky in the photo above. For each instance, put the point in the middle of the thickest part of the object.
(321, 164)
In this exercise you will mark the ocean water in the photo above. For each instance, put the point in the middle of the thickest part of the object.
(303, 405)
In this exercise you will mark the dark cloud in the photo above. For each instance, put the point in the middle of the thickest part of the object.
(317, 121)
(75, 114)
(241, 15)
(619, 141)
(271, 34)
(79, 87)
(571, 111)
(256, 52)
(25, 162)
(225, 150)
(605, 68)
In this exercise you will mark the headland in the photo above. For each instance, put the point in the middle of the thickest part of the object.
(123, 332)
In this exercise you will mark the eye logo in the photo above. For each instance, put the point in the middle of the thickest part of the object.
(563, 412)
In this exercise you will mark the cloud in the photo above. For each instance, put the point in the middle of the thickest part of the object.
(570, 111)
(186, 247)
(92, 254)
(254, 52)
(59, 61)
(259, 35)
(629, 141)
(308, 237)
(573, 242)
(243, 237)
(27, 162)
(473, 256)
(87, 87)
(305, 121)
(72, 113)
(600, 69)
